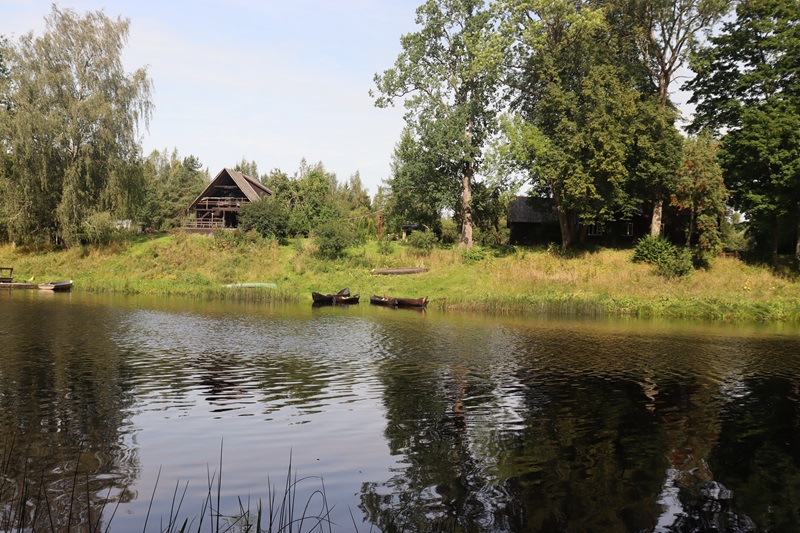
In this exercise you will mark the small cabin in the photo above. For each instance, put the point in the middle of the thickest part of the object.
(217, 207)
(533, 220)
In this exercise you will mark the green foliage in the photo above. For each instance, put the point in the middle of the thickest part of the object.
(99, 228)
(446, 74)
(653, 250)
(670, 260)
(385, 246)
(449, 231)
(172, 184)
(332, 238)
(473, 255)
(70, 133)
(701, 192)
(587, 130)
(422, 240)
(748, 86)
(267, 217)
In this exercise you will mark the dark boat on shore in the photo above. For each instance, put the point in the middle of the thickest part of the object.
(383, 300)
(398, 302)
(343, 296)
(412, 302)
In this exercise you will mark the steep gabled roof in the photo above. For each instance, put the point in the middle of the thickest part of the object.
(252, 189)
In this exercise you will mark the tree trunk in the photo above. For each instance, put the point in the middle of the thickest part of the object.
(466, 208)
(774, 251)
(655, 223)
(797, 238)
(564, 219)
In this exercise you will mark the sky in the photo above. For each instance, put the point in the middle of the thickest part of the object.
(272, 81)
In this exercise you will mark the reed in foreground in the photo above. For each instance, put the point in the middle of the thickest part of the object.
(37, 501)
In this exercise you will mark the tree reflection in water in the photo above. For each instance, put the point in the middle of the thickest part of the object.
(583, 431)
(61, 410)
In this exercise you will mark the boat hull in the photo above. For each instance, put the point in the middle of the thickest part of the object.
(56, 286)
(398, 302)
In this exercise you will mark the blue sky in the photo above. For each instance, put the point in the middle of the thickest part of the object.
(271, 81)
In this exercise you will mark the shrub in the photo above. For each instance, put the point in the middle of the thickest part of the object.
(99, 228)
(266, 217)
(332, 238)
(668, 259)
(450, 233)
(653, 250)
(422, 240)
(384, 246)
(473, 255)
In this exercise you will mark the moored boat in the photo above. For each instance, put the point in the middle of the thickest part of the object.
(320, 298)
(412, 302)
(398, 302)
(57, 286)
(383, 300)
(345, 299)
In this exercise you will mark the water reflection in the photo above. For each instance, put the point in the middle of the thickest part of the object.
(52, 443)
(416, 421)
(584, 428)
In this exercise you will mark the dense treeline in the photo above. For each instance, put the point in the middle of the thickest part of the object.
(570, 98)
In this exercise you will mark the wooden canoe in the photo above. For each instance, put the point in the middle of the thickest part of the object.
(345, 299)
(57, 286)
(398, 302)
(383, 300)
(320, 298)
(412, 302)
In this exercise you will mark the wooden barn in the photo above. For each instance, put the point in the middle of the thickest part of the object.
(218, 205)
(532, 221)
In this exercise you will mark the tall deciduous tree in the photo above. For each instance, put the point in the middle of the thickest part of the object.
(446, 73)
(667, 31)
(748, 88)
(587, 133)
(701, 192)
(69, 138)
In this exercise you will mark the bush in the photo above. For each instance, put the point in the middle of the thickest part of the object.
(422, 240)
(266, 217)
(653, 250)
(99, 228)
(384, 246)
(332, 238)
(450, 234)
(472, 255)
(668, 259)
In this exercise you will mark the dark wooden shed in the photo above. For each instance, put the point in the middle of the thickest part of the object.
(218, 205)
(532, 220)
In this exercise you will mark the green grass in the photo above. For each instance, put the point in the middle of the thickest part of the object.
(601, 282)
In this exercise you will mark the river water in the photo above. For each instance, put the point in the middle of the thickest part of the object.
(138, 414)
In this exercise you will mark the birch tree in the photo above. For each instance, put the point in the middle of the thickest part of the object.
(70, 132)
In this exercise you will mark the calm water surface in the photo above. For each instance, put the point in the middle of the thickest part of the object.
(404, 420)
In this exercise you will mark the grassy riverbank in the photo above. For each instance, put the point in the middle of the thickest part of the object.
(503, 280)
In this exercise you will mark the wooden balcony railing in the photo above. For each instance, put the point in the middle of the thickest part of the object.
(213, 202)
